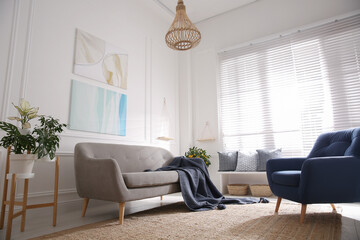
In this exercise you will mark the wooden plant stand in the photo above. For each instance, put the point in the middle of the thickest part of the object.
(11, 215)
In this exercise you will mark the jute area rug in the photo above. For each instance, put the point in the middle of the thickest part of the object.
(254, 221)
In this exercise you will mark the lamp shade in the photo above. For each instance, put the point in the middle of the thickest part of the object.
(182, 34)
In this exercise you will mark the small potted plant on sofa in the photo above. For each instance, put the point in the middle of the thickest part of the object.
(27, 146)
(196, 152)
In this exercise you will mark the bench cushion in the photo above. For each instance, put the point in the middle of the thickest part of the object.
(148, 179)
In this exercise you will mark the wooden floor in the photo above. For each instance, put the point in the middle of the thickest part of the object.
(69, 216)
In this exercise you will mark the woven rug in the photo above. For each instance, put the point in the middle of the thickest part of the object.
(254, 221)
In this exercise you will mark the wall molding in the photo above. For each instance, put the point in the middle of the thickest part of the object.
(177, 104)
(98, 136)
(25, 71)
(11, 60)
(148, 105)
(8, 78)
(64, 154)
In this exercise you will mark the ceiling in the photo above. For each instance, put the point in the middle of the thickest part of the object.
(199, 10)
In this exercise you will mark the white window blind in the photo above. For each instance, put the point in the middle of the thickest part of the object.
(284, 92)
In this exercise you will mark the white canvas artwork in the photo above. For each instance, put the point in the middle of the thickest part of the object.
(99, 60)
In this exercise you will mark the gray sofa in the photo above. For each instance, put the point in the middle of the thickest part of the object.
(114, 172)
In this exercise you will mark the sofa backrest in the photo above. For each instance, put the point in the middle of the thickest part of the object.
(131, 158)
(340, 143)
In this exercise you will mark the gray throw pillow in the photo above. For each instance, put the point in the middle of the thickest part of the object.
(247, 161)
(265, 155)
(227, 161)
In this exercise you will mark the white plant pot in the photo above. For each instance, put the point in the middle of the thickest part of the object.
(24, 131)
(22, 163)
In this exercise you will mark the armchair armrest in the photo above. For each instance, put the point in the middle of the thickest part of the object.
(100, 179)
(330, 179)
(279, 164)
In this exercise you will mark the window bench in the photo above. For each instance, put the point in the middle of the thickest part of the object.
(241, 178)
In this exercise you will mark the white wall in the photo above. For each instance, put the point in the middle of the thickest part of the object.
(40, 36)
(252, 22)
(36, 57)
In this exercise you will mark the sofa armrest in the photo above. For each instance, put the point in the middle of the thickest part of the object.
(330, 179)
(101, 179)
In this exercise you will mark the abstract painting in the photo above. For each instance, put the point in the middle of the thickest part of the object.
(96, 109)
(99, 60)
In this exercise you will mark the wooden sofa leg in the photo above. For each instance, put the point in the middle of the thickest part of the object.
(161, 198)
(333, 207)
(121, 212)
(278, 204)
(85, 204)
(303, 212)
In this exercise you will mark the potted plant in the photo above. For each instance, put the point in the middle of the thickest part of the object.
(21, 145)
(28, 146)
(196, 152)
(26, 114)
(47, 138)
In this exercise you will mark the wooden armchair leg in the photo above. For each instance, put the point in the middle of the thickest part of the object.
(278, 204)
(303, 212)
(333, 207)
(121, 212)
(85, 204)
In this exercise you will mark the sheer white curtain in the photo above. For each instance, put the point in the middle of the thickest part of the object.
(285, 92)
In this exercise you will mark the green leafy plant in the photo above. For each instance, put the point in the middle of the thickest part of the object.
(46, 136)
(196, 152)
(43, 140)
(20, 143)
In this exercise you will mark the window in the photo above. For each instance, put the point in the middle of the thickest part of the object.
(284, 92)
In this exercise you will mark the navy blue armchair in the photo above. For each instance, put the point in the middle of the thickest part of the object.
(330, 174)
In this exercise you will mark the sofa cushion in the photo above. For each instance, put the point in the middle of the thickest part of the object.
(227, 161)
(247, 161)
(288, 178)
(265, 155)
(148, 179)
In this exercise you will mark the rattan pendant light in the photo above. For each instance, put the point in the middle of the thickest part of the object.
(182, 34)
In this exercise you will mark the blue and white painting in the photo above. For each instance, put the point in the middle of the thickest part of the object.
(96, 109)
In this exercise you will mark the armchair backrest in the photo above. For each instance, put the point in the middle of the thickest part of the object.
(340, 143)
